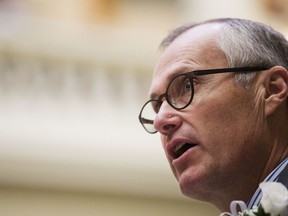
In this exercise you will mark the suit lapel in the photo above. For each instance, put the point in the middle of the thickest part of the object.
(283, 177)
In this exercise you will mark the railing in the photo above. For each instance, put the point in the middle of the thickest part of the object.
(35, 78)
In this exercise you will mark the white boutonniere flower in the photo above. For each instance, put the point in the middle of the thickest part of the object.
(274, 199)
(274, 202)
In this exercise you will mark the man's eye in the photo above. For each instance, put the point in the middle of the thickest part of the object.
(187, 86)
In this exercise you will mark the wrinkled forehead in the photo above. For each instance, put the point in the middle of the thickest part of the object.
(194, 49)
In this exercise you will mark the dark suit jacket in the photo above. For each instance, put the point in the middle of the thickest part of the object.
(283, 177)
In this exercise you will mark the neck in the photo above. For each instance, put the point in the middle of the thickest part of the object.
(279, 145)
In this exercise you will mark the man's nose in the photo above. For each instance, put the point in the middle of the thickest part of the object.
(167, 119)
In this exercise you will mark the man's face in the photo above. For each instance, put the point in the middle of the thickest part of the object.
(214, 145)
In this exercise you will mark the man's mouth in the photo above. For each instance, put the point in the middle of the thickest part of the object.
(181, 148)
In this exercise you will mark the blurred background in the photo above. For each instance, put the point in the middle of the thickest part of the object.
(73, 77)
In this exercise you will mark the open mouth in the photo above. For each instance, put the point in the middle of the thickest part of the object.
(181, 148)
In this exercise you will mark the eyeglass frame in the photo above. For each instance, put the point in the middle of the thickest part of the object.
(190, 75)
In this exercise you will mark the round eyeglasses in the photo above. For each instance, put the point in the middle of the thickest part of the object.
(179, 94)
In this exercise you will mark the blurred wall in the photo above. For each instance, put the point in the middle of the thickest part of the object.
(73, 77)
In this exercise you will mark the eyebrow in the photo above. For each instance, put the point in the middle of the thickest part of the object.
(173, 73)
(154, 96)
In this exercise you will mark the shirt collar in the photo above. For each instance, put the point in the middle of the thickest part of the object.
(272, 177)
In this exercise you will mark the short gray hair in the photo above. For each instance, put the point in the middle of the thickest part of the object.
(244, 43)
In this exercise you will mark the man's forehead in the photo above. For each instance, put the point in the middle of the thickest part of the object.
(198, 45)
(192, 50)
(197, 33)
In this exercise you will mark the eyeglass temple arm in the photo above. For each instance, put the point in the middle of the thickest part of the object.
(223, 70)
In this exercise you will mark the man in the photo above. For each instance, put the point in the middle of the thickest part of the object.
(219, 100)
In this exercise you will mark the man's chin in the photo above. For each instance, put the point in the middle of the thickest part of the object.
(193, 186)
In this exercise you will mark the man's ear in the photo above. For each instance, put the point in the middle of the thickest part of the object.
(276, 84)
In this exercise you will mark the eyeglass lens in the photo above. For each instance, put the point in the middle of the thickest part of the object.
(147, 116)
(179, 95)
(179, 92)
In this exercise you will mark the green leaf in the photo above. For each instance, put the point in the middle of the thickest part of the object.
(261, 212)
